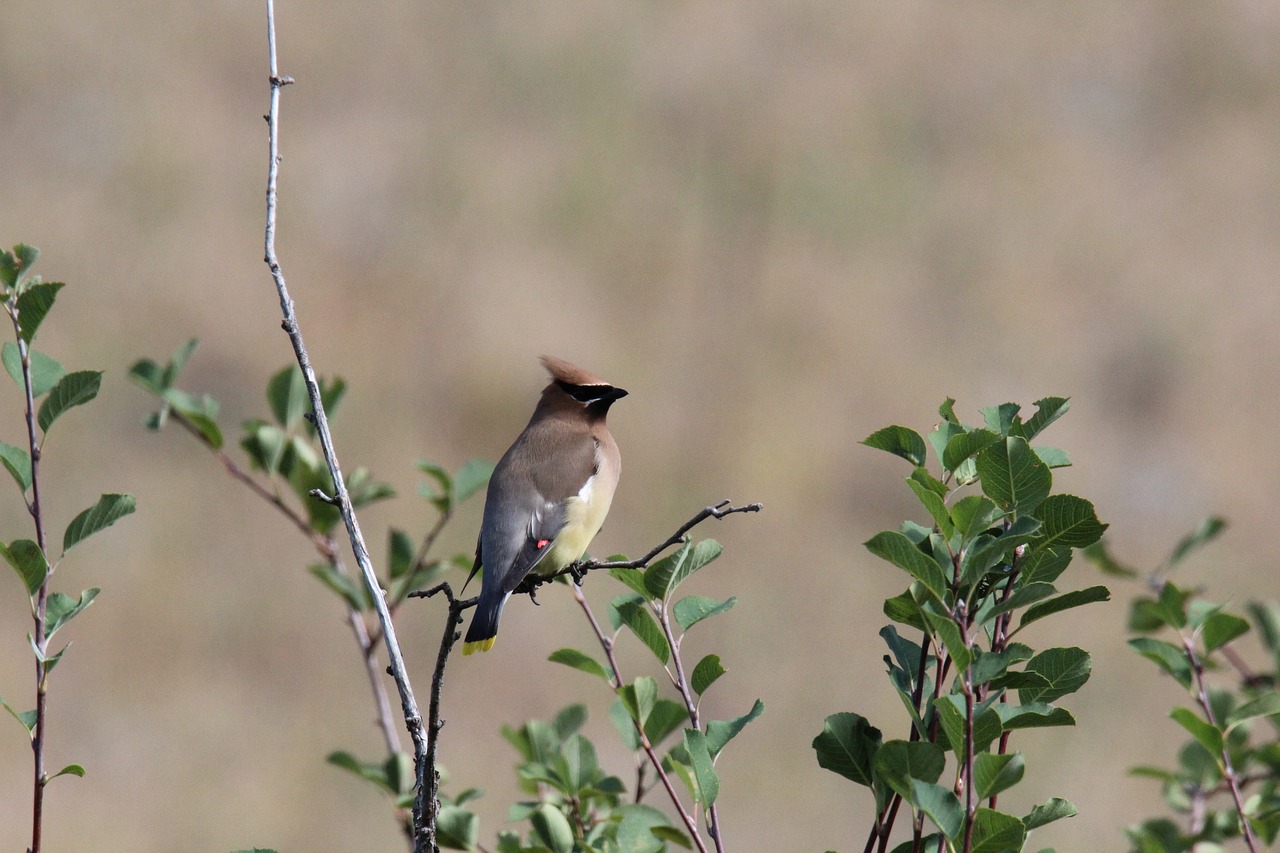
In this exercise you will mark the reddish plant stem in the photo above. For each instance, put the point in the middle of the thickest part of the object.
(1233, 781)
(39, 610)
(615, 682)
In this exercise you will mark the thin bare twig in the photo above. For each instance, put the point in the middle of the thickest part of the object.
(409, 705)
(427, 801)
(717, 511)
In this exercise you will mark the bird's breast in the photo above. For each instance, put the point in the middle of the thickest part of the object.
(584, 516)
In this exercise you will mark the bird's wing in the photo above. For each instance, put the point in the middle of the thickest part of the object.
(544, 525)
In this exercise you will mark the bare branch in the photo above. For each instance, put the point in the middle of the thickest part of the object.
(409, 705)
(427, 802)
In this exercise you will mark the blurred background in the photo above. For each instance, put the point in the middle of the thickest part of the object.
(779, 226)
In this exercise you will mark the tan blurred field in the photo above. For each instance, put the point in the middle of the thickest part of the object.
(779, 226)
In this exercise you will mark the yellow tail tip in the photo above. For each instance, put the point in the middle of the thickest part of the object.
(478, 646)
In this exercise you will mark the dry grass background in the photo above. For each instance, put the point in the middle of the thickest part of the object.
(780, 226)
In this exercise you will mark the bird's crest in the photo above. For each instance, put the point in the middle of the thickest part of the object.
(570, 374)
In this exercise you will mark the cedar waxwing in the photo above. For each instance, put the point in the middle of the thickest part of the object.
(548, 495)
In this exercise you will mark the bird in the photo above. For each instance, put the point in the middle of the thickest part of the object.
(548, 495)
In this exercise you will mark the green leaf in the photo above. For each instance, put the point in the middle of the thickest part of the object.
(178, 362)
(631, 578)
(621, 717)
(379, 773)
(898, 762)
(1066, 669)
(1048, 410)
(351, 590)
(904, 609)
(74, 389)
(107, 511)
(400, 553)
(13, 265)
(997, 832)
(951, 638)
(1013, 476)
(1220, 629)
(1069, 522)
(1202, 535)
(33, 304)
(973, 514)
(1100, 555)
(364, 489)
(441, 497)
(29, 561)
(1024, 595)
(639, 698)
(580, 767)
(18, 463)
(720, 732)
(69, 770)
(905, 652)
(665, 718)
(923, 484)
(1066, 601)
(1003, 418)
(965, 446)
(695, 743)
(900, 441)
(1045, 565)
(1208, 735)
(1052, 456)
(457, 828)
(26, 718)
(1267, 618)
(706, 673)
(940, 804)
(638, 830)
(994, 773)
(1034, 715)
(947, 410)
(1047, 812)
(331, 394)
(552, 828)
(662, 578)
(61, 609)
(991, 552)
(200, 412)
(896, 548)
(470, 478)
(943, 433)
(569, 720)
(1266, 705)
(579, 660)
(146, 373)
(1167, 656)
(672, 835)
(45, 371)
(635, 615)
(692, 609)
(287, 396)
(951, 714)
(847, 745)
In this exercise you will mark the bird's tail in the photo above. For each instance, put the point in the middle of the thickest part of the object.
(484, 625)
